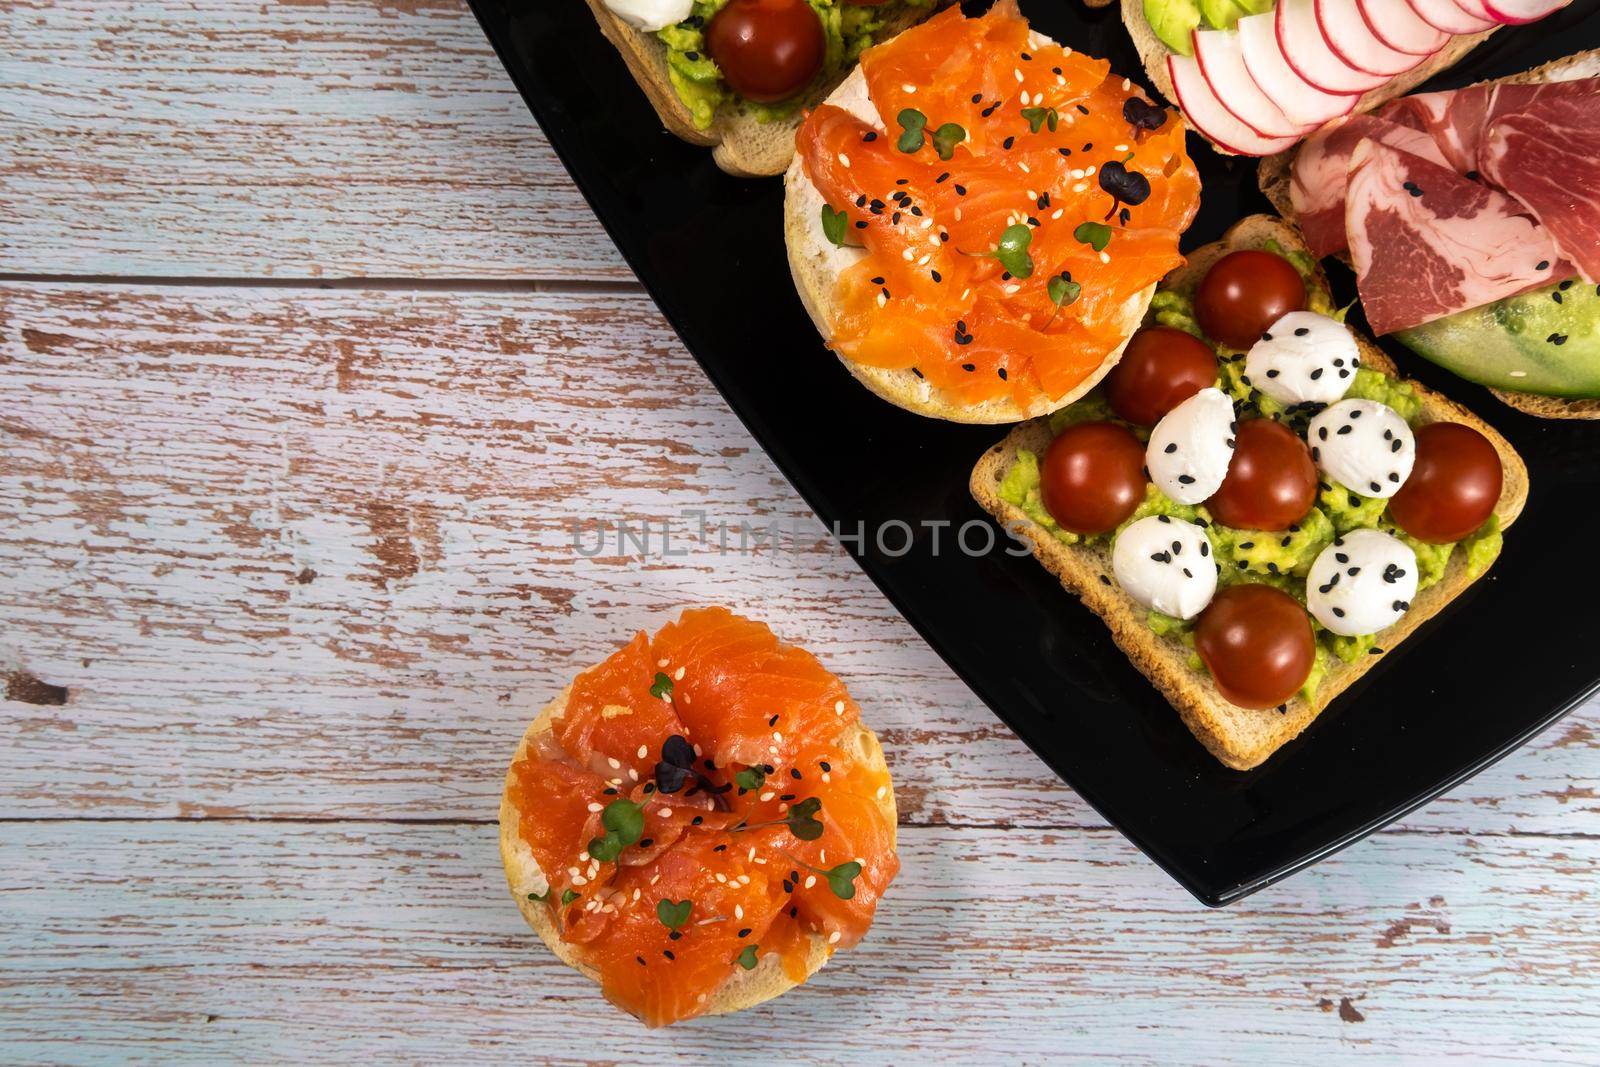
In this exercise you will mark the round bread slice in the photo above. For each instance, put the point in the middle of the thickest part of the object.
(816, 264)
(743, 989)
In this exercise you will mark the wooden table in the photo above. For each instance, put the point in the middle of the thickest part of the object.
(310, 360)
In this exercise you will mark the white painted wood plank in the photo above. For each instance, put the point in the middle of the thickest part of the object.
(218, 941)
(306, 553)
(219, 139)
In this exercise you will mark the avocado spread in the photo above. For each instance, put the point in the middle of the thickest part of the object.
(1174, 21)
(847, 30)
(1277, 558)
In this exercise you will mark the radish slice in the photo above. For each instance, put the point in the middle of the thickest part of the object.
(1348, 35)
(1445, 15)
(1516, 12)
(1207, 115)
(1395, 24)
(1300, 101)
(1222, 64)
(1475, 9)
(1310, 54)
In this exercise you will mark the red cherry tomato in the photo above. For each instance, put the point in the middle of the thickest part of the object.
(1092, 477)
(767, 50)
(1454, 484)
(1271, 483)
(1244, 293)
(1256, 641)
(1160, 369)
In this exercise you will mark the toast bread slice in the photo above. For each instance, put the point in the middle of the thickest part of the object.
(1277, 171)
(741, 144)
(1239, 737)
(743, 989)
(1153, 52)
(815, 265)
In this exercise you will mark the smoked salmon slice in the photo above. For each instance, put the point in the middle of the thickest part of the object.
(705, 799)
(1015, 131)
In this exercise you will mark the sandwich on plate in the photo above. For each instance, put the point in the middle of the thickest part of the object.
(1472, 220)
(700, 821)
(1254, 76)
(1254, 501)
(735, 75)
(977, 217)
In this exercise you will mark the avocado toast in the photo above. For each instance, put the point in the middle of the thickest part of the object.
(1161, 646)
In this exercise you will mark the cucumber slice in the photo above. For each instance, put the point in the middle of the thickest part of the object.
(1546, 341)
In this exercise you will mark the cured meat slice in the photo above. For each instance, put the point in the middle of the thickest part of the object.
(1426, 242)
(1321, 173)
(1546, 154)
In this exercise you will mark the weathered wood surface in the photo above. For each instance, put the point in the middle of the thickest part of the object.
(312, 139)
(226, 941)
(284, 571)
(306, 552)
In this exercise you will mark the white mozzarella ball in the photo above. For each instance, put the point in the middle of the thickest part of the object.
(1191, 447)
(651, 15)
(1362, 583)
(1363, 445)
(1304, 357)
(1166, 564)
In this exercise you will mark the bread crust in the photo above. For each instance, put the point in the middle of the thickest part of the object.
(1277, 171)
(740, 144)
(743, 989)
(1153, 52)
(815, 265)
(1240, 738)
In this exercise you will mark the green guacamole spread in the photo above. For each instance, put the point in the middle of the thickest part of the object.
(847, 29)
(1277, 558)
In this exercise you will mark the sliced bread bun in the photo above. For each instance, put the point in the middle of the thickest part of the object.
(816, 264)
(743, 989)
(1277, 172)
(740, 143)
(1154, 52)
(1239, 737)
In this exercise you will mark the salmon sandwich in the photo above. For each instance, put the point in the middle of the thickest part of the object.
(699, 822)
(977, 217)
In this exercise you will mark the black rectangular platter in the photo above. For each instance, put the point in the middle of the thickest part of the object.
(1503, 662)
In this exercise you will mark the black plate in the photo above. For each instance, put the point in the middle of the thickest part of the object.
(1502, 663)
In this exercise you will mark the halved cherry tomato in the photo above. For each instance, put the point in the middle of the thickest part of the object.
(1244, 293)
(767, 50)
(1160, 369)
(1092, 477)
(1271, 483)
(1256, 641)
(1454, 484)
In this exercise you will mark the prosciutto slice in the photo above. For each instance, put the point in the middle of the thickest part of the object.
(1426, 242)
(1321, 174)
(1546, 154)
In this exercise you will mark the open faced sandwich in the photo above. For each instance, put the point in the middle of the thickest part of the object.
(1254, 76)
(736, 74)
(1472, 221)
(699, 822)
(977, 217)
(1253, 500)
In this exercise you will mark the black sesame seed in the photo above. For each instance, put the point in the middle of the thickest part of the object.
(1316, 374)
(1007, 143)
(1104, 580)
(870, 136)
(745, 932)
(1186, 479)
(1543, 264)
(1170, 449)
(1002, 373)
(941, 179)
(961, 190)
(1339, 612)
(977, 98)
(1272, 373)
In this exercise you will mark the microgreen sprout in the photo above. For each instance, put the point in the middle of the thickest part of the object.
(623, 821)
(1011, 251)
(1063, 291)
(568, 896)
(661, 688)
(801, 820)
(835, 225)
(673, 915)
(747, 958)
(1041, 116)
(750, 779)
(945, 139)
(912, 124)
(1094, 234)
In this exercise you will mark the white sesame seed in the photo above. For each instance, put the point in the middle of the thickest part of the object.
(743, 879)
(697, 752)
(596, 807)
(1126, 85)
(633, 775)
(722, 878)
(844, 160)
(635, 894)
(1076, 172)
(738, 911)
(1056, 214)
(882, 300)
(644, 750)
(1018, 73)
(776, 736)
(1033, 194)
(583, 857)
(1122, 148)
(1010, 289)
(811, 880)
(767, 796)
(826, 777)
(906, 255)
(573, 872)
(958, 214)
(686, 699)
(579, 879)
(615, 764)
(654, 879)
(751, 854)
(833, 938)
(838, 705)
(908, 87)
(661, 663)
(773, 749)
(882, 789)
(1090, 172)
(666, 813)
(1080, 187)
(1519, 374)
(1024, 167)
(677, 675)
(926, 223)
(923, 262)
(700, 999)
(1105, 257)
(965, 293)
(1060, 80)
